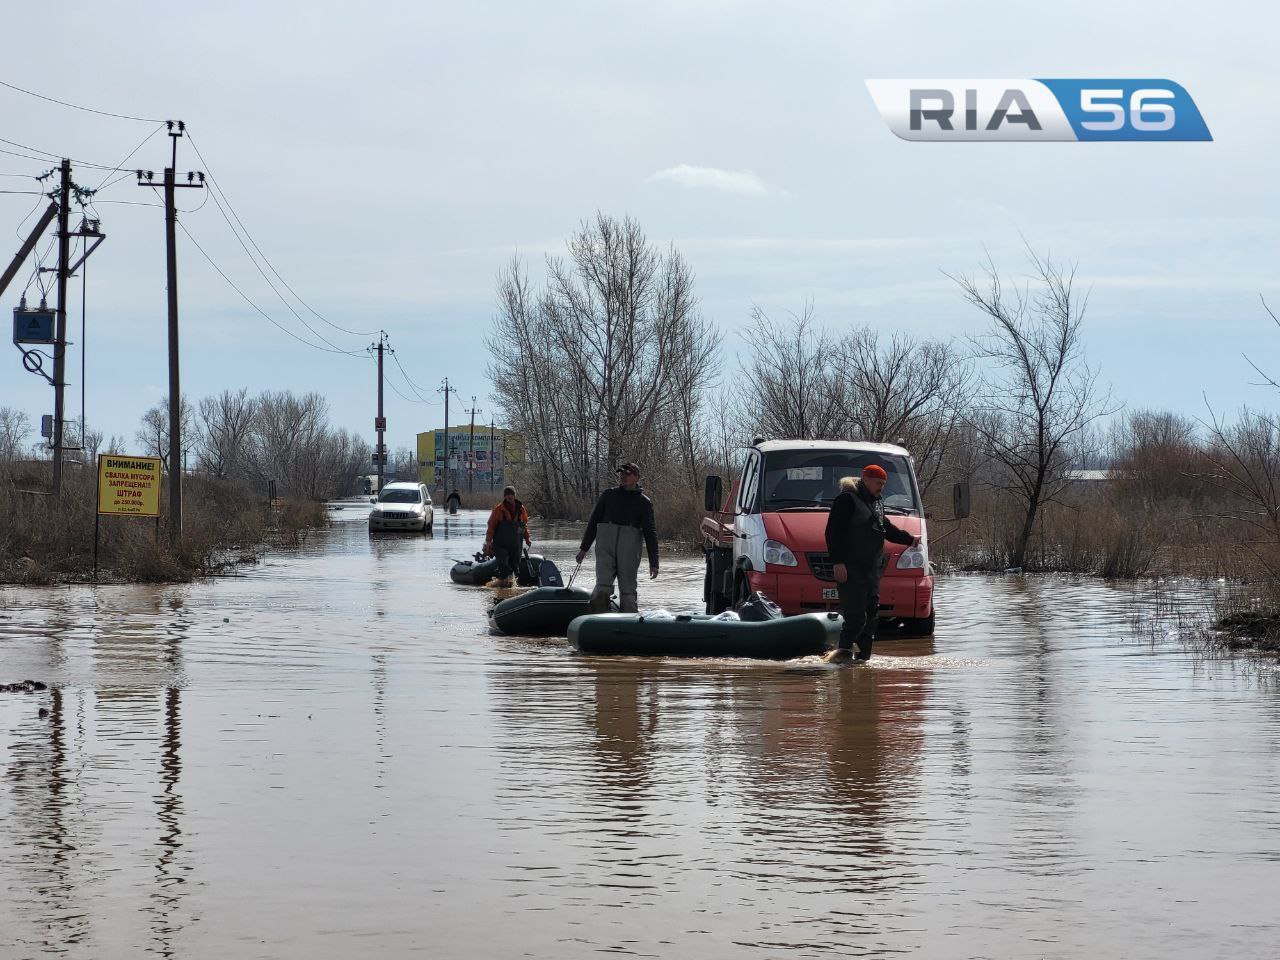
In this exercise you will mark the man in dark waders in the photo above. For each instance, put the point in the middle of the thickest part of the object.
(452, 502)
(622, 518)
(508, 526)
(856, 532)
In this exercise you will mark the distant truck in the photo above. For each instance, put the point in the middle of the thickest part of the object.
(768, 533)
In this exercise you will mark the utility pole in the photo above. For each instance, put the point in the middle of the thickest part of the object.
(446, 390)
(471, 453)
(195, 181)
(380, 422)
(60, 336)
(491, 423)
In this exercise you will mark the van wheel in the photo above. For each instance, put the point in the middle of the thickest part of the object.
(918, 627)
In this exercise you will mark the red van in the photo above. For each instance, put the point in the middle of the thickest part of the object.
(768, 534)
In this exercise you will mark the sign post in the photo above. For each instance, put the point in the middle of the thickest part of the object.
(127, 486)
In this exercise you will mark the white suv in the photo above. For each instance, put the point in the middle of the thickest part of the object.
(402, 506)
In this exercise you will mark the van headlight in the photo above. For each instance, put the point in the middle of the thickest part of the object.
(914, 558)
(779, 554)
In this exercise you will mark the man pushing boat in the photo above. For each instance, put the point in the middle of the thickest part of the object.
(856, 531)
(508, 525)
(623, 516)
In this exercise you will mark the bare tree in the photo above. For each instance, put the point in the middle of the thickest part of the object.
(610, 361)
(15, 425)
(1244, 462)
(404, 464)
(792, 379)
(153, 431)
(226, 423)
(914, 393)
(93, 440)
(1037, 395)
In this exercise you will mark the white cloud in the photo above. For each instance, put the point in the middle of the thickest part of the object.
(731, 181)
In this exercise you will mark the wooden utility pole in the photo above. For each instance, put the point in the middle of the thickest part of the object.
(491, 423)
(380, 422)
(446, 390)
(60, 335)
(28, 245)
(471, 452)
(171, 185)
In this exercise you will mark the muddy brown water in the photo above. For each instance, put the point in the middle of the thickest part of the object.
(330, 756)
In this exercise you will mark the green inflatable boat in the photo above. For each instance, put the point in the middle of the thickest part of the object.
(545, 612)
(700, 635)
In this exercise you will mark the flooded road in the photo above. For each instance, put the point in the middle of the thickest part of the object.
(331, 757)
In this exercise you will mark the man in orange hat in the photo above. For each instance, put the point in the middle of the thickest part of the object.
(856, 532)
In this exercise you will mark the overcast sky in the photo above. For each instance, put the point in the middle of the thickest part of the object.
(389, 159)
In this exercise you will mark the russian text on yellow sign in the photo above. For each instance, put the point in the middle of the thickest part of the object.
(128, 485)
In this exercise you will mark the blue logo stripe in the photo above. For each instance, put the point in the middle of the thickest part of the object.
(1129, 109)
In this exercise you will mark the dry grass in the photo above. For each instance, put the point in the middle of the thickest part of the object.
(1105, 529)
(46, 540)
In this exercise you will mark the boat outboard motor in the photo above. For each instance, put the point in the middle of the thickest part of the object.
(757, 608)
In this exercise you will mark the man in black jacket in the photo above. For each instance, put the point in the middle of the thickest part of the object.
(856, 532)
(622, 517)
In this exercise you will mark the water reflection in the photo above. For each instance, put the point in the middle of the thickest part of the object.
(788, 783)
(97, 776)
(330, 756)
(170, 872)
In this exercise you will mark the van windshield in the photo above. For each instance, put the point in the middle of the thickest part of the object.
(810, 479)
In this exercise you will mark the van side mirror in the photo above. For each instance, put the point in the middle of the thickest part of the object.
(960, 500)
(713, 494)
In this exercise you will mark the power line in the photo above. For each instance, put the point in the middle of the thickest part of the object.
(76, 106)
(24, 156)
(401, 395)
(288, 306)
(413, 386)
(266, 316)
(213, 180)
(129, 156)
(48, 155)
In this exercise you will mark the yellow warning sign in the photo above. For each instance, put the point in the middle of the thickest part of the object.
(129, 485)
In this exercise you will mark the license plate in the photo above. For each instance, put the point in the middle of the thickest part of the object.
(830, 593)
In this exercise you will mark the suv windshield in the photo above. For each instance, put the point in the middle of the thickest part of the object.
(399, 496)
(800, 479)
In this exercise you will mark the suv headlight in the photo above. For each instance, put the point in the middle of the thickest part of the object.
(914, 558)
(779, 554)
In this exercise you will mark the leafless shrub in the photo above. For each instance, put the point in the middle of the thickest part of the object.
(1244, 463)
(1037, 396)
(47, 539)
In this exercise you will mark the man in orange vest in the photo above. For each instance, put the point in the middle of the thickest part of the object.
(508, 525)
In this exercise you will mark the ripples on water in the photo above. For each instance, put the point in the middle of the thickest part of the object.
(330, 756)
